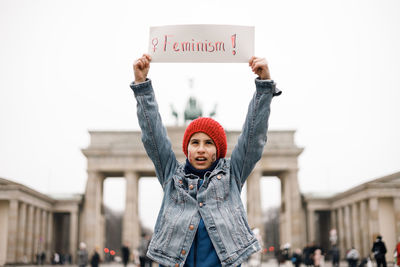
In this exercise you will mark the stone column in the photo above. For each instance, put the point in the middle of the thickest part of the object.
(254, 209)
(365, 242)
(21, 232)
(43, 233)
(131, 228)
(286, 215)
(282, 213)
(12, 231)
(73, 232)
(334, 219)
(92, 206)
(29, 234)
(373, 218)
(36, 233)
(292, 227)
(311, 225)
(347, 227)
(294, 213)
(49, 235)
(396, 205)
(341, 230)
(355, 218)
(333, 239)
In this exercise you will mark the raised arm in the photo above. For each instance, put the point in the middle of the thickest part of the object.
(251, 142)
(154, 134)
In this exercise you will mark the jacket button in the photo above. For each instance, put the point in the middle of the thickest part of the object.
(219, 177)
(201, 204)
(180, 181)
(191, 187)
(191, 227)
(183, 252)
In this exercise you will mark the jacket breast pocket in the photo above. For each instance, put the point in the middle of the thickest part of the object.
(220, 186)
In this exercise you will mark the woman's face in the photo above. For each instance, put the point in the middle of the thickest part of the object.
(202, 151)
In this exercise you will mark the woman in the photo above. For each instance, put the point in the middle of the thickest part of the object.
(202, 221)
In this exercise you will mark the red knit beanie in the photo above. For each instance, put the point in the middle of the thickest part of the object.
(210, 127)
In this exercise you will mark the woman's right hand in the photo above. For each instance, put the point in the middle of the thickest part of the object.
(260, 67)
(141, 68)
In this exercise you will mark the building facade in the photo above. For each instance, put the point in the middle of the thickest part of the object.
(32, 222)
(358, 216)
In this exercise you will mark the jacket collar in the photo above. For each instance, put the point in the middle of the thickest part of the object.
(189, 169)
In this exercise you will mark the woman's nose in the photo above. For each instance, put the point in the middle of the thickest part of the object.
(201, 148)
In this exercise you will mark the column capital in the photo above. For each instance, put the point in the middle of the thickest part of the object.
(311, 209)
(290, 174)
(130, 174)
(95, 173)
(396, 202)
(255, 174)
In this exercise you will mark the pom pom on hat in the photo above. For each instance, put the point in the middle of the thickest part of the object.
(210, 127)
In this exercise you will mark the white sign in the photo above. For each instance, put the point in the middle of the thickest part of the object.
(201, 43)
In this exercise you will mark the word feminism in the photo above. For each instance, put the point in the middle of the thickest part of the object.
(169, 44)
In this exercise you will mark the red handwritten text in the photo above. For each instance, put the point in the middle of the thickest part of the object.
(189, 46)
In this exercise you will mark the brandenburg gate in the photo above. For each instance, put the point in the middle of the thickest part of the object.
(121, 154)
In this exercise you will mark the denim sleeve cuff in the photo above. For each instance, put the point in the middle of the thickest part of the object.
(265, 86)
(142, 88)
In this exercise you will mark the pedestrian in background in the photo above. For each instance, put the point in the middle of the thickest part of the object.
(83, 256)
(335, 254)
(318, 257)
(125, 254)
(296, 257)
(143, 247)
(307, 255)
(379, 250)
(255, 259)
(397, 253)
(352, 257)
(95, 260)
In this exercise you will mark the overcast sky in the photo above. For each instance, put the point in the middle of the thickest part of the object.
(65, 68)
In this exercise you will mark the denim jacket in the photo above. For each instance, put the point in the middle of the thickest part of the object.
(217, 201)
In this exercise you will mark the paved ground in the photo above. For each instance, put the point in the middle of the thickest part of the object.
(270, 263)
